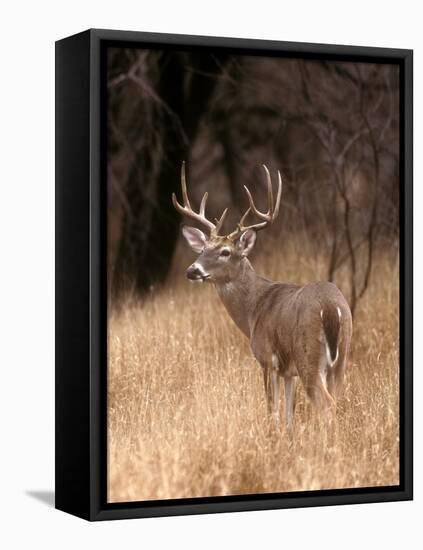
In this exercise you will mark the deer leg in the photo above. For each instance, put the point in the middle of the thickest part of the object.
(276, 396)
(313, 372)
(267, 388)
(332, 385)
(272, 386)
(327, 402)
(319, 396)
(336, 374)
(290, 383)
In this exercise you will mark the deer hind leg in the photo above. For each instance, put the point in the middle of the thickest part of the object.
(314, 373)
(336, 373)
(335, 377)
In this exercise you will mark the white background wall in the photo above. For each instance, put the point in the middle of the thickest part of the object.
(27, 36)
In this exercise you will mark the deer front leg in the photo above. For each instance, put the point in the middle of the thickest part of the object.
(290, 383)
(272, 387)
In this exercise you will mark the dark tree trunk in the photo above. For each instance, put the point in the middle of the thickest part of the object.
(151, 227)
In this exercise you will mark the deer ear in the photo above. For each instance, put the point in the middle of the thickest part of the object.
(246, 241)
(195, 238)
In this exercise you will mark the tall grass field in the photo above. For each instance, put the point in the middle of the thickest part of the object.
(187, 413)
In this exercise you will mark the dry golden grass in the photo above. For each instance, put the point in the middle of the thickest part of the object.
(186, 406)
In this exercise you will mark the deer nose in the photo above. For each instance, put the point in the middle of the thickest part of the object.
(195, 273)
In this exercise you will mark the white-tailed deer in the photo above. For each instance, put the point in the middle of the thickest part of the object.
(294, 331)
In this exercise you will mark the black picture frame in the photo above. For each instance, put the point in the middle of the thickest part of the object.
(81, 279)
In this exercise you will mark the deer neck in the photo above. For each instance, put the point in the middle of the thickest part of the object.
(240, 295)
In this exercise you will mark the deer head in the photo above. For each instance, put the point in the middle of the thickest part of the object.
(220, 256)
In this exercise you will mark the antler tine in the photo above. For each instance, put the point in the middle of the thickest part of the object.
(269, 190)
(203, 204)
(278, 196)
(272, 211)
(251, 201)
(219, 222)
(186, 209)
(184, 186)
(244, 217)
(270, 208)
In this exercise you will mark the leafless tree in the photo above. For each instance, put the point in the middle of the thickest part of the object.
(353, 152)
(331, 127)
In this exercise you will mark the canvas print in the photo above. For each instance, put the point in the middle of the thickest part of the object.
(252, 273)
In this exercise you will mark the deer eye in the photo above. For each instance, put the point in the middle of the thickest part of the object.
(225, 253)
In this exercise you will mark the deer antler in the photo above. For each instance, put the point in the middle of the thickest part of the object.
(268, 217)
(199, 217)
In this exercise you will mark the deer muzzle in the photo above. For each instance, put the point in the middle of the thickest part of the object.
(195, 272)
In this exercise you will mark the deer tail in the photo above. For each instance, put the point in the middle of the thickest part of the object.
(331, 320)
